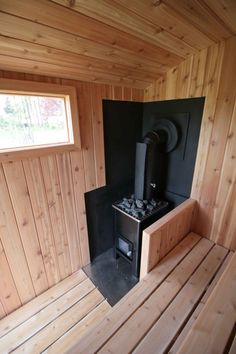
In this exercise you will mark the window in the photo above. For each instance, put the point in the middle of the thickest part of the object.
(35, 115)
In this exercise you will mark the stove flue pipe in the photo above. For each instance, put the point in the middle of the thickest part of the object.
(146, 163)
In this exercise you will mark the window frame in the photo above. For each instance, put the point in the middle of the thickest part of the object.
(31, 88)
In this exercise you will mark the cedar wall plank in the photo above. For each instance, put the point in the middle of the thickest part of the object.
(9, 296)
(210, 73)
(43, 229)
(12, 244)
(19, 195)
(36, 186)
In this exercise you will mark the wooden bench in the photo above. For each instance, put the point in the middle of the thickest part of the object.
(174, 305)
(56, 319)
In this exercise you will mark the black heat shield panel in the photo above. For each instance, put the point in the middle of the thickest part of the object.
(122, 130)
(186, 114)
(100, 215)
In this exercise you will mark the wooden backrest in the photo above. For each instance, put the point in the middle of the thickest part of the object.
(163, 235)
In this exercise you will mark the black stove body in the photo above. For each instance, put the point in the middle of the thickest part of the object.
(128, 229)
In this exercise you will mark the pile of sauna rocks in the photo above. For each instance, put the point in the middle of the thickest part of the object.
(137, 208)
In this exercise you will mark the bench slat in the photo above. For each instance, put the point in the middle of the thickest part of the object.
(215, 323)
(167, 327)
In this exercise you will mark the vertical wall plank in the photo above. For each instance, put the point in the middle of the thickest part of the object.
(2, 311)
(8, 295)
(171, 83)
(98, 93)
(20, 199)
(69, 210)
(40, 209)
(183, 78)
(79, 190)
(198, 74)
(137, 95)
(118, 93)
(225, 206)
(149, 94)
(12, 244)
(210, 91)
(86, 127)
(54, 200)
(127, 94)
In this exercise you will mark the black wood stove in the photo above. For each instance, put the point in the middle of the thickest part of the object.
(134, 214)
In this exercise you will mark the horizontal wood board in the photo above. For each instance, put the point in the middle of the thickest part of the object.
(112, 42)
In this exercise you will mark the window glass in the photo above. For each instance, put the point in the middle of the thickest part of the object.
(33, 120)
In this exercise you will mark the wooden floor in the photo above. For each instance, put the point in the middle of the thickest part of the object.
(187, 304)
(55, 320)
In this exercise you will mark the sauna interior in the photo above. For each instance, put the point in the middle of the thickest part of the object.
(82, 58)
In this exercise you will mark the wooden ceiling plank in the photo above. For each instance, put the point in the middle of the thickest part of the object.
(200, 16)
(20, 49)
(225, 10)
(41, 68)
(112, 14)
(166, 18)
(55, 16)
(15, 27)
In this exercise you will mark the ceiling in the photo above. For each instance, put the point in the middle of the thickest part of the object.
(123, 42)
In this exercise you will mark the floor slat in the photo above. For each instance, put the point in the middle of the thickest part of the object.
(35, 323)
(217, 319)
(174, 317)
(61, 324)
(31, 308)
(182, 335)
(76, 333)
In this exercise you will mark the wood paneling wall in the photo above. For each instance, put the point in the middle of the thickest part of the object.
(43, 231)
(210, 73)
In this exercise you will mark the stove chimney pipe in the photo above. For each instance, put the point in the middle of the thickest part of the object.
(145, 164)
